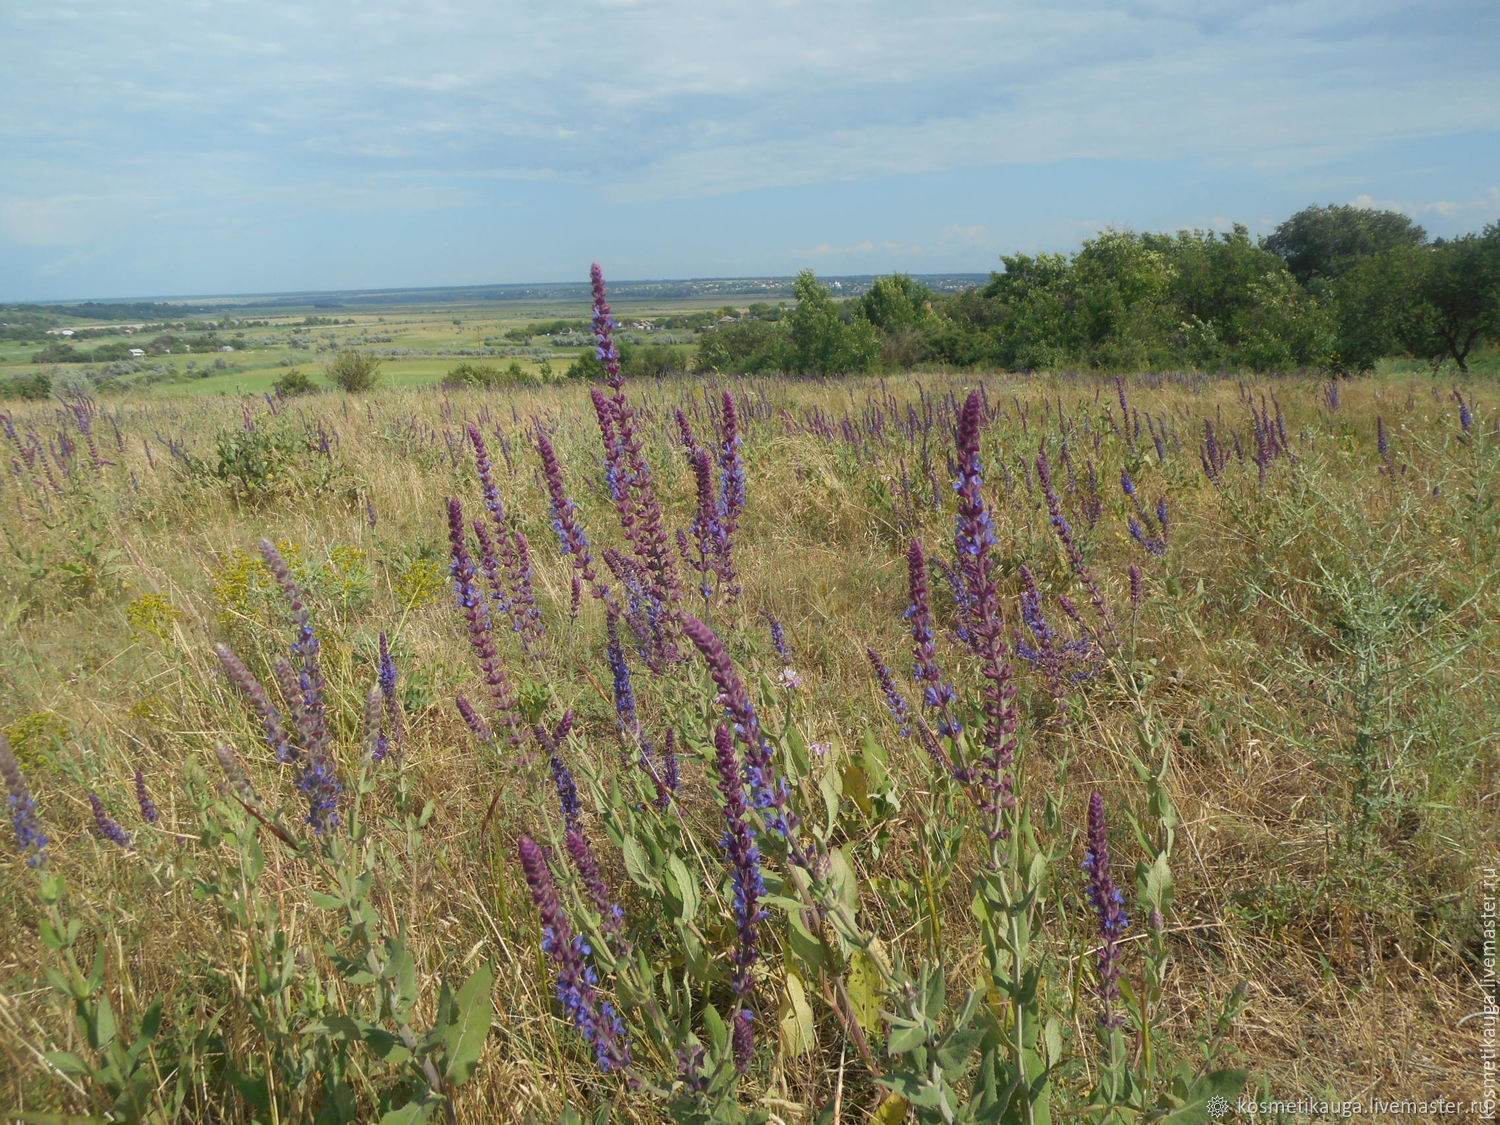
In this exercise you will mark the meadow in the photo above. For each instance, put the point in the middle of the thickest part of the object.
(940, 747)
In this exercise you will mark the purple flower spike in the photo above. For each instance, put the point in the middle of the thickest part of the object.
(565, 520)
(596, 1021)
(581, 852)
(975, 538)
(731, 491)
(23, 815)
(898, 705)
(149, 812)
(768, 789)
(106, 825)
(937, 693)
(471, 602)
(744, 860)
(270, 718)
(778, 638)
(1109, 904)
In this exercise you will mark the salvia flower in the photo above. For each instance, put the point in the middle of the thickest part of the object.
(937, 693)
(106, 825)
(778, 637)
(477, 621)
(24, 820)
(1109, 905)
(581, 852)
(270, 718)
(235, 778)
(975, 538)
(149, 812)
(768, 789)
(595, 1020)
(897, 702)
(744, 859)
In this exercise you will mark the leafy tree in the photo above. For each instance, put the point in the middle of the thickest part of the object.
(1371, 306)
(900, 311)
(822, 344)
(1121, 309)
(1321, 243)
(1459, 299)
(354, 371)
(744, 348)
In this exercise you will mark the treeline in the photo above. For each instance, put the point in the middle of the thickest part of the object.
(1333, 288)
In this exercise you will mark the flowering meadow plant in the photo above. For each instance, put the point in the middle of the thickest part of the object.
(776, 752)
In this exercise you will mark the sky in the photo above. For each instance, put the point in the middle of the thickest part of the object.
(211, 147)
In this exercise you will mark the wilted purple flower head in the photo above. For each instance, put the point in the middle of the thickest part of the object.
(23, 815)
(149, 812)
(1109, 905)
(106, 825)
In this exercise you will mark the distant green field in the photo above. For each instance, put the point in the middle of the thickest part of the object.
(417, 343)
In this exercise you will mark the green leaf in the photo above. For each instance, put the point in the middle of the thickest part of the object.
(102, 1027)
(863, 985)
(794, 1018)
(843, 881)
(1225, 1084)
(326, 902)
(68, 1063)
(635, 864)
(686, 887)
(830, 788)
(465, 1040)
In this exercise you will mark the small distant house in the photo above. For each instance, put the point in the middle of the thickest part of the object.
(59, 332)
(137, 353)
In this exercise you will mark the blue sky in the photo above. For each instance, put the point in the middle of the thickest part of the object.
(200, 147)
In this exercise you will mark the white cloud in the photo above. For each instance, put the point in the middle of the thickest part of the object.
(1480, 209)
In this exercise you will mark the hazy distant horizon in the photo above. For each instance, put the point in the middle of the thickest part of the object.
(623, 285)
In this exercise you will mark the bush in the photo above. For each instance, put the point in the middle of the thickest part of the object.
(293, 383)
(486, 375)
(37, 385)
(354, 371)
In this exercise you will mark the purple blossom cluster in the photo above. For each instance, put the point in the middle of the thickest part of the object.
(473, 604)
(24, 821)
(975, 537)
(1150, 534)
(1108, 902)
(744, 859)
(577, 982)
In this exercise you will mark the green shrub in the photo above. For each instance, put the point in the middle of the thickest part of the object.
(354, 371)
(294, 382)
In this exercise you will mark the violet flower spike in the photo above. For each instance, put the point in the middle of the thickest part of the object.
(768, 790)
(270, 718)
(898, 705)
(106, 825)
(477, 621)
(597, 1022)
(937, 693)
(744, 859)
(24, 820)
(149, 812)
(976, 536)
(1109, 905)
(581, 852)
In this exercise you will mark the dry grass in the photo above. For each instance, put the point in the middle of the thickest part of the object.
(1360, 961)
